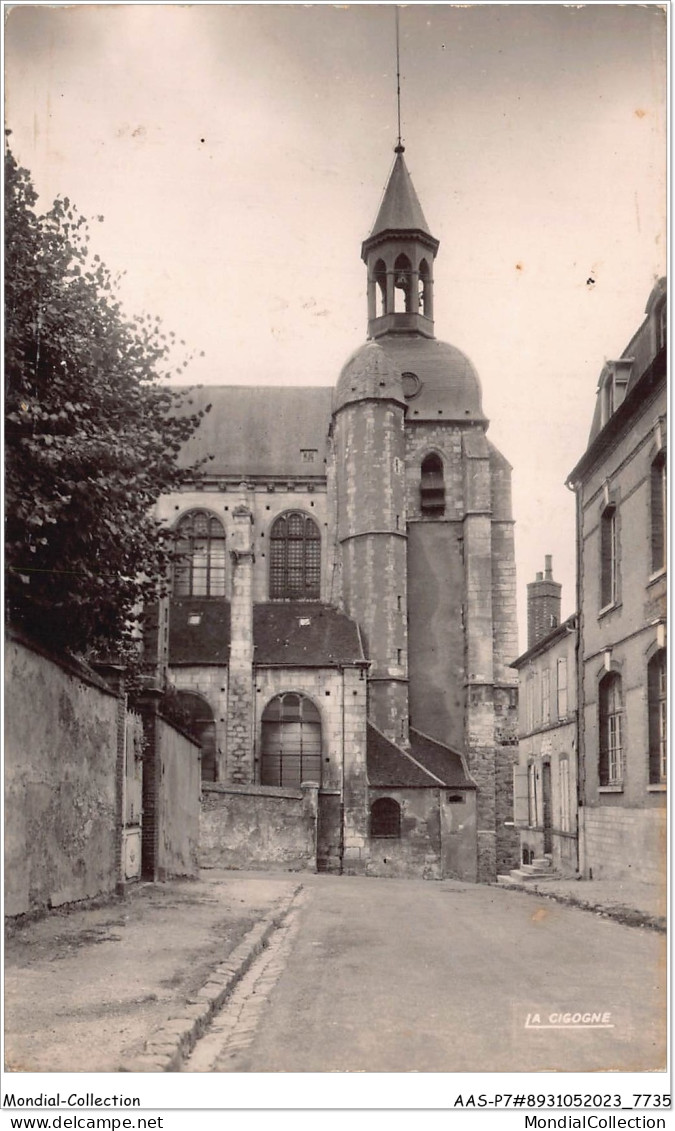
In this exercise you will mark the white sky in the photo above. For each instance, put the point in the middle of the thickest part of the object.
(238, 154)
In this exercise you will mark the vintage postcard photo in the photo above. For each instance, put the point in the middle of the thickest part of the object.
(336, 529)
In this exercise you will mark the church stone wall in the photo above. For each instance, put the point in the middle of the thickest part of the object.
(417, 852)
(421, 439)
(258, 826)
(436, 636)
(371, 520)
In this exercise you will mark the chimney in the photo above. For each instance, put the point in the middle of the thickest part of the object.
(543, 604)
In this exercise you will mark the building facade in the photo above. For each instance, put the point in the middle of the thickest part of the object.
(545, 779)
(620, 486)
(343, 602)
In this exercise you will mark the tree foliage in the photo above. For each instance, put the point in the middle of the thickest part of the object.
(91, 436)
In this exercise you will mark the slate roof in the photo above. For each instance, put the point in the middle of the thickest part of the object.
(641, 349)
(294, 633)
(400, 208)
(207, 642)
(450, 386)
(305, 634)
(429, 765)
(254, 430)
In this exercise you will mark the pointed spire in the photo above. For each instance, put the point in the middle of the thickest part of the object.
(400, 208)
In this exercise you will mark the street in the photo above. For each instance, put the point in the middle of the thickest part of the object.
(374, 975)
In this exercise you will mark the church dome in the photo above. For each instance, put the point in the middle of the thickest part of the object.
(439, 381)
(434, 379)
(369, 374)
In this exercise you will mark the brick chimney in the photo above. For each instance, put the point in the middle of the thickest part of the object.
(543, 604)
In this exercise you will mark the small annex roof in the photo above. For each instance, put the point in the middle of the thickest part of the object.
(400, 209)
(292, 634)
(546, 642)
(254, 430)
(428, 764)
(305, 634)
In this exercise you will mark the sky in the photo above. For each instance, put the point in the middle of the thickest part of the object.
(238, 155)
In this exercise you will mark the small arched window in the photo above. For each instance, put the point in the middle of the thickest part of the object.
(403, 284)
(658, 511)
(657, 693)
(199, 567)
(290, 741)
(385, 818)
(611, 730)
(432, 486)
(295, 559)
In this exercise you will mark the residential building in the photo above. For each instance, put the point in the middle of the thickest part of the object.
(545, 779)
(620, 485)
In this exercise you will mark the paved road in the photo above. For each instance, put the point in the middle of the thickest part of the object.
(402, 975)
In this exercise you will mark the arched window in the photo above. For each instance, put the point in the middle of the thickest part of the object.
(432, 486)
(295, 559)
(403, 284)
(199, 571)
(380, 276)
(658, 512)
(385, 818)
(611, 730)
(290, 741)
(425, 288)
(199, 721)
(657, 694)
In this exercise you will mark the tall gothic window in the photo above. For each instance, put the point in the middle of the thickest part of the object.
(291, 741)
(295, 559)
(611, 730)
(657, 693)
(199, 571)
(658, 512)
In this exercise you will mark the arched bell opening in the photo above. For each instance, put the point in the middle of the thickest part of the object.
(380, 278)
(425, 290)
(403, 286)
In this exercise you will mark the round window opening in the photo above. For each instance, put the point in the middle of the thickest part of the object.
(411, 385)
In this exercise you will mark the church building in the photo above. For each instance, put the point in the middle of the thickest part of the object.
(343, 607)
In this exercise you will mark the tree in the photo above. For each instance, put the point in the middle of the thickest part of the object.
(91, 438)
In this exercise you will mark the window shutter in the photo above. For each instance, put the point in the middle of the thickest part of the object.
(520, 801)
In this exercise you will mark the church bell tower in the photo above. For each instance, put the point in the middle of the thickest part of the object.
(399, 254)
